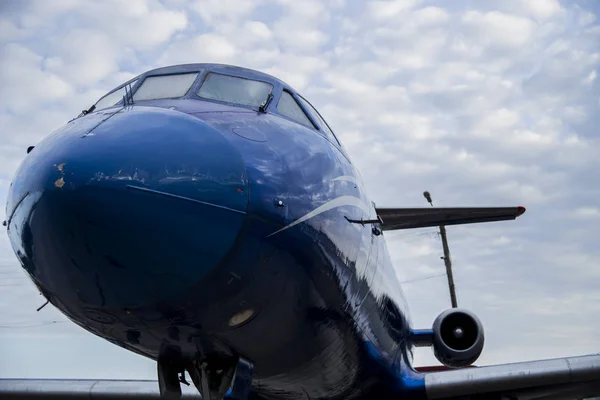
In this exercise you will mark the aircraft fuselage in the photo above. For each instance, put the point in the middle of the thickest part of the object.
(193, 229)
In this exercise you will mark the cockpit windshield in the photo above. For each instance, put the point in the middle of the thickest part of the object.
(153, 87)
(164, 87)
(219, 87)
(235, 90)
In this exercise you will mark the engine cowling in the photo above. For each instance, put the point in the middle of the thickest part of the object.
(457, 338)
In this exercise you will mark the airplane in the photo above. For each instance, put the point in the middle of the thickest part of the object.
(206, 216)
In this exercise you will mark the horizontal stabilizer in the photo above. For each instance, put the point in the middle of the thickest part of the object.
(408, 218)
(85, 389)
(560, 378)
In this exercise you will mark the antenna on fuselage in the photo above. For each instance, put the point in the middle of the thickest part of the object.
(446, 257)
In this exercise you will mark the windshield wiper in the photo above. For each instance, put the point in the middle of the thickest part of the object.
(86, 112)
(128, 97)
(263, 106)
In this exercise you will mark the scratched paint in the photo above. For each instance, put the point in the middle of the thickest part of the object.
(60, 182)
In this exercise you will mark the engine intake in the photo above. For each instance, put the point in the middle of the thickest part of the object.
(457, 338)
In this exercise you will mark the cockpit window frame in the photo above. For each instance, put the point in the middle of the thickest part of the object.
(136, 81)
(318, 123)
(204, 76)
(313, 126)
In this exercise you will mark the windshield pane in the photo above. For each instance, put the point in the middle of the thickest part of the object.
(164, 86)
(324, 127)
(287, 106)
(231, 89)
(114, 97)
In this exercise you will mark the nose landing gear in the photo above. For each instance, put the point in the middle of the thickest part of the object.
(233, 382)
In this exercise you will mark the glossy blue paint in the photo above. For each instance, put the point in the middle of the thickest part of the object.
(168, 227)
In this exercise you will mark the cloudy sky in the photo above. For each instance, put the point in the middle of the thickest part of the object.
(491, 103)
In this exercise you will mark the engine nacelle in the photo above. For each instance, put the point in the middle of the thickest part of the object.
(457, 338)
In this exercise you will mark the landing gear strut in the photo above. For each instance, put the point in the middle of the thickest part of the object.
(168, 382)
(232, 383)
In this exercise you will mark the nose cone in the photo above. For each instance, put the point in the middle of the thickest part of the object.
(125, 209)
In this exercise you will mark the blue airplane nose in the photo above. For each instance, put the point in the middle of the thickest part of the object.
(126, 209)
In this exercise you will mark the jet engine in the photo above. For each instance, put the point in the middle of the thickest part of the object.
(457, 338)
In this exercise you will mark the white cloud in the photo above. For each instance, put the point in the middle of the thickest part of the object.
(587, 18)
(147, 29)
(259, 30)
(590, 78)
(429, 16)
(541, 8)
(10, 32)
(380, 10)
(587, 212)
(139, 23)
(499, 119)
(296, 70)
(299, 36)
(497, 29)
(22, 79)
(308, 10)
(87, 56)
(208, 47)
(213, 12)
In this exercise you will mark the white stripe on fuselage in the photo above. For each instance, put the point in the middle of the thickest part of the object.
(337, 202)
